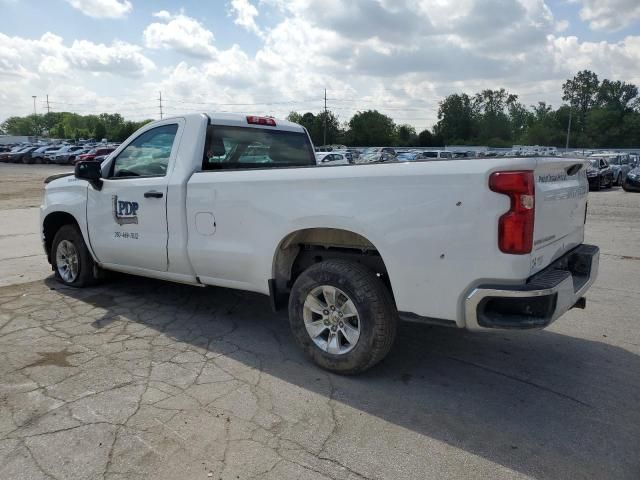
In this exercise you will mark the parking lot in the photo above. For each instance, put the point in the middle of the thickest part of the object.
(143, 379)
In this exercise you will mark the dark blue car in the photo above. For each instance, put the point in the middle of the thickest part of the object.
(632, 181)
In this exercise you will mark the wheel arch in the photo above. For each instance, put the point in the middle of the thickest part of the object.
(303, 247)
(50, 226)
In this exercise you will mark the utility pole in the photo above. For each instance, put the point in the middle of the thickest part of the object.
(34, 104)
(324, 143)
(568, 129)
(160, 99)
(48, 110)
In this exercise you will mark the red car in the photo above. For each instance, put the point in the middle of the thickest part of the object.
(96, 152)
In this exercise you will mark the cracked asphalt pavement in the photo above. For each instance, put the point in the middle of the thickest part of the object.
(138, 378)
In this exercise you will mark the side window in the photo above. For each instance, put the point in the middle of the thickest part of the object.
(148, 155)
(603, 164)
(338, 157)
(245, 147)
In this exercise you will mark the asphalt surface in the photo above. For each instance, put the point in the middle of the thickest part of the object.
(143, 379)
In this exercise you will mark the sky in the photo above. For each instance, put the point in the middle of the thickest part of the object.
(269, 57)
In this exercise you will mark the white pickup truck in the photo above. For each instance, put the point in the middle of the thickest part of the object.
(236, 201)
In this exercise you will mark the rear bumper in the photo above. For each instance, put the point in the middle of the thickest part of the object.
(542, 299)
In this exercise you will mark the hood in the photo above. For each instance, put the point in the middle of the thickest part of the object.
(51, 178)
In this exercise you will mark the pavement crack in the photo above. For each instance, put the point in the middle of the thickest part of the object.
(521, 380)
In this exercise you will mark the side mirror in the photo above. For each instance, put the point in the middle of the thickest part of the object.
(91, 172)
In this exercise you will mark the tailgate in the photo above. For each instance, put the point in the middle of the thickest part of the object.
(561, 202)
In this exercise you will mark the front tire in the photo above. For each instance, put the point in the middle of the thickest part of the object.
(343, 316)
(71, 259)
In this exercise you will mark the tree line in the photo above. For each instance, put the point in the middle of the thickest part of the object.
(111, 126)
(602, 114)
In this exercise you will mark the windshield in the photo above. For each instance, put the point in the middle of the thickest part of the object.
(595, 162)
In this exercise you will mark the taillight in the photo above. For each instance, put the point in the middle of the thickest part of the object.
(267, 121)
(515, 228)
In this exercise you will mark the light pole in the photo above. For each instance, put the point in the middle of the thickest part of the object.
(34, 104)
(568, 129)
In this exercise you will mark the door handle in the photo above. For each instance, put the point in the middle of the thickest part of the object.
(153, 194)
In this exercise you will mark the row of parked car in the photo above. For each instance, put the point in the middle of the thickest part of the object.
(60, 153)
(606, 169)
(610, 168)
(342, 155)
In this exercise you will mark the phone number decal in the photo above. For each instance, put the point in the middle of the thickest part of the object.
(126, 235)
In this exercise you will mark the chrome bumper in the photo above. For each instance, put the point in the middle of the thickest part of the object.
(542, 299)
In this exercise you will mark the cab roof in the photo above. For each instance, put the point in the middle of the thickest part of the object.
(240, 120)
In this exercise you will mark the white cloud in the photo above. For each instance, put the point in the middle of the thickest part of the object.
(399, 56)
(246, 14)
(119, 57)
(50, 56)
(181, 33)
(102, 8)
(69, 72)
(612, 60)
(609, 15)
(162, 14)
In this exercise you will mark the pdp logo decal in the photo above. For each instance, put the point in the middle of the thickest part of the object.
(124, 212)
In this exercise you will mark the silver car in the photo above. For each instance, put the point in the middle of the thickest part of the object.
(62, 156)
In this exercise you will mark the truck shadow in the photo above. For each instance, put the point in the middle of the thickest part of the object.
(541, 403)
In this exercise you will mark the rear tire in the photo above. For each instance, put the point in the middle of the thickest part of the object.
(360, 296)
(71, 259)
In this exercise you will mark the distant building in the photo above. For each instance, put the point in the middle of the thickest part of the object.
(4, 139)
(466, 148)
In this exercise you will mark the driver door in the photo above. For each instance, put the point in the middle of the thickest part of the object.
(127, 218)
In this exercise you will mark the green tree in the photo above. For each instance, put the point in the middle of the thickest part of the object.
(58, 131)
(371, 128)
(99, 131)
(406, 136)
(315, 125)
(456, 119)
(581, 93)
(617, 95)
(520, 118)
(327, 120)
(294, 117)
(492, 107)
(425, 139)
